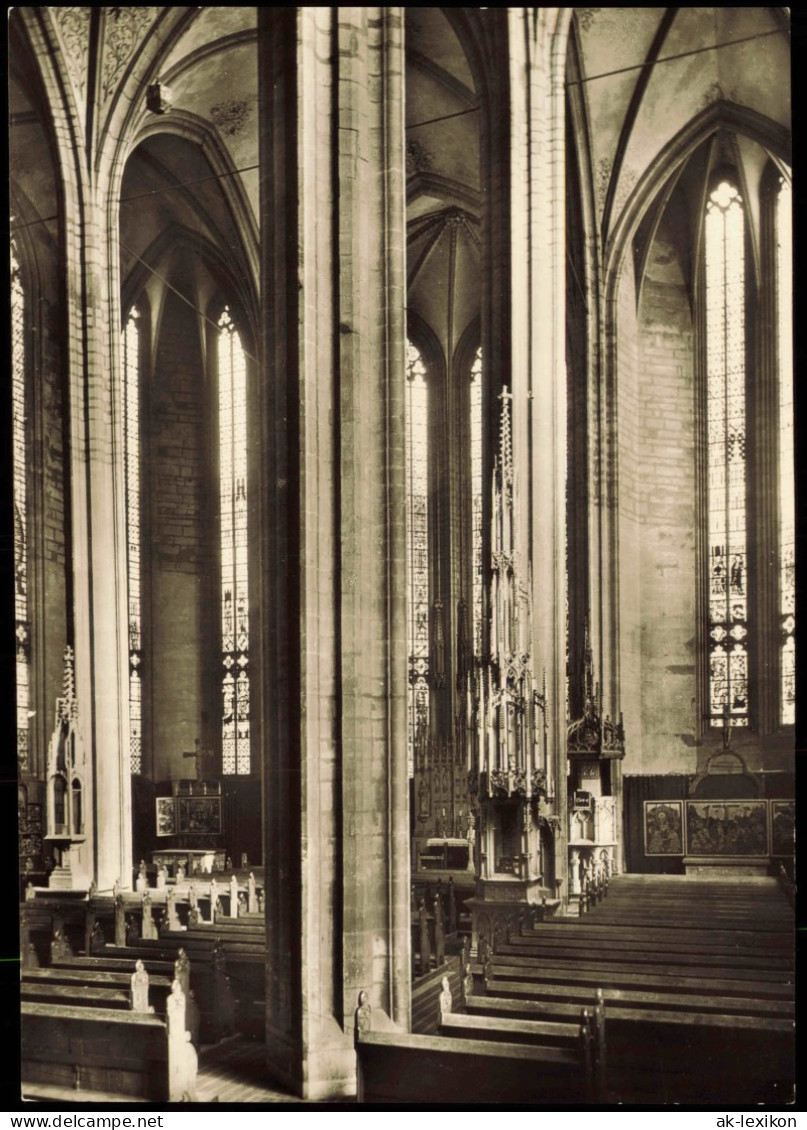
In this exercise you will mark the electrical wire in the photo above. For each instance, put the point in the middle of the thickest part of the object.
(179, 294)
(444, 118)
(672, 58)
(150, 193)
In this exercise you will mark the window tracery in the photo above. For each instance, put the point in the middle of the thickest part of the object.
(235, 676)
(787, 522)
(476, 502)
(417, 548)
(20, 462)
(726, 457)
(131, 429)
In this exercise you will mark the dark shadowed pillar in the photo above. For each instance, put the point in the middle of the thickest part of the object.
(332, 623)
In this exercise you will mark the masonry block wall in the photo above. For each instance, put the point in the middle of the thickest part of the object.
(629, 472)
(657, 493)
(180, 540)
(666, 507)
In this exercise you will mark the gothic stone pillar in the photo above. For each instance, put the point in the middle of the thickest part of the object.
(537, 193)
(332, 515)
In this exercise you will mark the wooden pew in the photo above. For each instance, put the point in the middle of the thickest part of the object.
(649, 1046)
(159, 973)
(595, 933)
(563, 1000)
(242, 946)
(489, 1027)
(397, 1068)
(123, 1055)
(210, 981)
(401, 1068)
(673, 981)
(617, 952)
(426, 993)
(699, 994)
(616, 964)
(91, 995)
(624, 942)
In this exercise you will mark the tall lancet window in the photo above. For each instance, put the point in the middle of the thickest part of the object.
(726, 411)
(417, 548)
(232, 387)
(787, 516)
(476, 499)
(19, 471)
(130, 347)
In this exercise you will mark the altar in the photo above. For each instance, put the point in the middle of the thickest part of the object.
(196, 861)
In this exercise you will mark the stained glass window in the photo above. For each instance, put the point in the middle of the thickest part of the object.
(417, 547)
(787, 516)
(232, 381)
(725, 386)
(476, 499)
(130, 346)
(20, 462)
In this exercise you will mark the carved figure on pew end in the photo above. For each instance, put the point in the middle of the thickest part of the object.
(600, 1065)
(116, 889)
(452, 906)
(132, 930)
(363, 1020)
(92, 890)
(30, 958)
(139, 995)
(233, 897)
(467, 982)
(242, 904)
(182, 970)
(425, 945)
(252, 895)
(59, 947)
(149, 928)
(97, 938)
(162, 878)
(30, 893)
(587, 1050)
(467, 977)
(183, 1061)
(483, 949)
(171, 910)
(439, 932)
(120, 920)
(260, 902)
(194, 917)
(446, 1001)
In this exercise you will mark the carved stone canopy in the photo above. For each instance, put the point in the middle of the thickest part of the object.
(593, 734)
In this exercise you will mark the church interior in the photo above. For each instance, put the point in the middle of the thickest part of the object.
(404, 538)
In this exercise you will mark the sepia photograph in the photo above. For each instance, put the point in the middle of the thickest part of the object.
(402, 507)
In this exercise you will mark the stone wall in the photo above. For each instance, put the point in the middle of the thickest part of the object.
(666, 492)
(657, 491)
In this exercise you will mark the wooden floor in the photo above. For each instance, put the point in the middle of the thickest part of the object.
(235, 1072)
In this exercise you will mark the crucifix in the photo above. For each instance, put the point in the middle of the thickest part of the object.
(203, 759)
